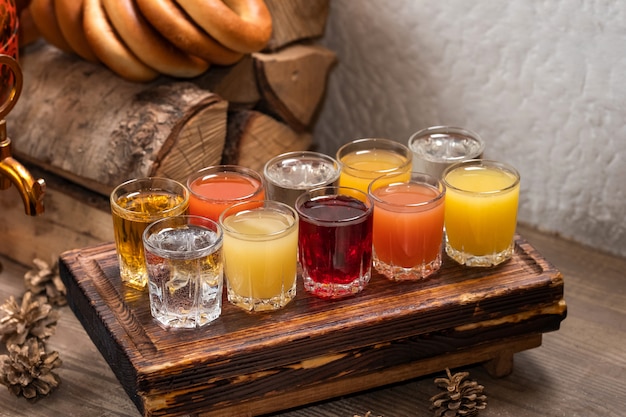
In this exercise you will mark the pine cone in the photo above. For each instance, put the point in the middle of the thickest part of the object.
(27, 370)
(461, 397)
(33, 317)
(45, 279)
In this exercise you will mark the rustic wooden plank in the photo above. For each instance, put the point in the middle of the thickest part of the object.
(254, 358)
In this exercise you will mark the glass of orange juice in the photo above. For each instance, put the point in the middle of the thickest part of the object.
(408, 225)
(260, 254)
(482, 198)
(215, 188)
(363, 160)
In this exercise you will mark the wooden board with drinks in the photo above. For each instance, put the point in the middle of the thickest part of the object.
(314, 349)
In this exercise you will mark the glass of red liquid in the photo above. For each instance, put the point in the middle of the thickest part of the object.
(214, 189)
(408, 225)
(335, 240)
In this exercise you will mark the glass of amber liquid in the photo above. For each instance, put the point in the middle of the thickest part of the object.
(363, 160)
(134, 205)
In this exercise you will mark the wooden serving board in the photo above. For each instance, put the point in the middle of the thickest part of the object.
(246, 364)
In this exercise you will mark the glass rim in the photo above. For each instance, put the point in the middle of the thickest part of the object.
(113, 197)
(369, 205)
(440, 189)
(294, 154)
(485, 163)
(257, 205)
(428, 132)
(239, 169)
(184, 254)
(391, 144)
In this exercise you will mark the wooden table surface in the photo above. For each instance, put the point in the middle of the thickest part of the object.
(580, 370)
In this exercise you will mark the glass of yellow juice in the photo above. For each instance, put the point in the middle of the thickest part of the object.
(482, 198)
(363, 160)
(134, 205)
(260, 254)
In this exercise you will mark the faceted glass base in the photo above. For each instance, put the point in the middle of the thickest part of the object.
(491, 259)
(399, 273)
(335, 290)
(262, 304)
(188, 321)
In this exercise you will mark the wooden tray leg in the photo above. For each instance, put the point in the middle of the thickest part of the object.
(502, 364)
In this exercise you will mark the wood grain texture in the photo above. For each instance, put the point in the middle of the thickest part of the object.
(293, 82)
(253, 138)
(98, 130)
(386, 331)
(296, 20)
(578, 371)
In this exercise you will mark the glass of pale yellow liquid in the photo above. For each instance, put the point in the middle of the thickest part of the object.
(363, 160)
(260, 254)
(134, 205)
(481, 211)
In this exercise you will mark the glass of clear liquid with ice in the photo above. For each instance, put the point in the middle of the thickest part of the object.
(185, 270)
(290, 174)
(436, 148)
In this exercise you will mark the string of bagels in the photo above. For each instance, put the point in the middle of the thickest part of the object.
(140, 40)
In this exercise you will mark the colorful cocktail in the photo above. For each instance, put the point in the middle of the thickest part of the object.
(363, 160)
(335, 242)
(408, 225)
(481, 211)
(134, 205)
(215, 188)
(260, 254)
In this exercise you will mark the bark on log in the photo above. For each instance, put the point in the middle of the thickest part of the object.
(253, 138)
(82, 122)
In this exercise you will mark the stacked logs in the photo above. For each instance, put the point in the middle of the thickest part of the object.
(81, 119)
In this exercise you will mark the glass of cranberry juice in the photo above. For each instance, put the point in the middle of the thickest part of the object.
(335, 240)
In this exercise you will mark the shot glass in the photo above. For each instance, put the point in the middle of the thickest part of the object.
(481, 211)
(185, 270)
(215, 188)
(290, 174)
(335, 241)
(260, 254)
(408, 225)
(134, 205)
(364, 160)
(436, 148)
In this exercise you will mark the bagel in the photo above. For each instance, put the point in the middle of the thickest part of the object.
(175, 25)
(109, 48)
(148, 44)
(242, 25)
(69, 15)
(44, 17)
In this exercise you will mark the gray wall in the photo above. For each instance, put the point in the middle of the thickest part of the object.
(543, 82)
